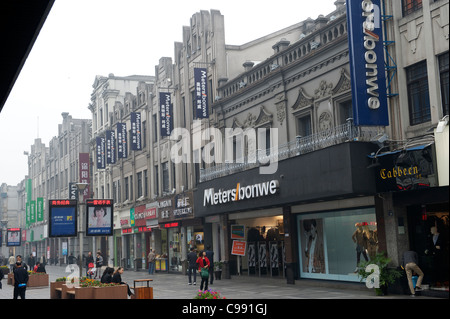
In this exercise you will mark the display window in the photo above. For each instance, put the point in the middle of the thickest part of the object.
(331, 244)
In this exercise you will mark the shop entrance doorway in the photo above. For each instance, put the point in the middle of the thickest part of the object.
(429, 237)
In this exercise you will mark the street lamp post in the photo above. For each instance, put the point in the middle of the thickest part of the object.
(81, 187)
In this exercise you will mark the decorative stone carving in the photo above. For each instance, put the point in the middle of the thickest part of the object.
(323, 90)
(302, 100)
(344, 83)
(281, 107)
(325, 121)
(412, 34)
(264, 117)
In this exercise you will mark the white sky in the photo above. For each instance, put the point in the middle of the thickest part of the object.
(84, 38)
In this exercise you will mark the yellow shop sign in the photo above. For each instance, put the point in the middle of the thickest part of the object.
(399, 172)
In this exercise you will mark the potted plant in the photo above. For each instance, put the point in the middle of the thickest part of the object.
(385, 276)
(208, 294)
(4, 269)
(218, 269)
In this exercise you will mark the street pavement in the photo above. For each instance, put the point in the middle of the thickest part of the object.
(175, 286)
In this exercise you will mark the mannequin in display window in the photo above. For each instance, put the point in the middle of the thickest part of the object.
(436, 250)
(360, 238)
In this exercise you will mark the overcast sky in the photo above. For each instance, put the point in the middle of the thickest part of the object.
(84, 38)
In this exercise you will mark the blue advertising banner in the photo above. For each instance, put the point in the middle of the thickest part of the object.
(100, 150)
(136, 142)
(122, 150)
(110, 147)
(367, 69)
(63, 218)
(201, 93)
(165, 102)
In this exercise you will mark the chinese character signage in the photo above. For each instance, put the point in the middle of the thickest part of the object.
(122, 150)
(110, 147)
(136, 142)
(63, 218)
(201, 93)
(99, 221)
(40, 209)
(84, 172)
(367, 69)
(165, 109)
(100, 149)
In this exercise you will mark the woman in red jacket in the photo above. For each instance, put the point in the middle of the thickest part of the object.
(203, 263)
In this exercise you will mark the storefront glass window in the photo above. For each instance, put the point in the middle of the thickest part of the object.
(332, 243)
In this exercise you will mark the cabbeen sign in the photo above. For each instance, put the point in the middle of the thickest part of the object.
(367, 63)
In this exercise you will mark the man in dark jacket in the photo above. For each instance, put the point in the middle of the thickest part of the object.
(20, 281)
(192, 265)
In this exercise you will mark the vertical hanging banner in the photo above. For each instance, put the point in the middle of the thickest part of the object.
(40, 209)
(101, 158)
(122, 150)
(84, 173)
(136, 143)
(110, 147)
(32, 211)
(165, 102)
(369, 99)
(201, 93)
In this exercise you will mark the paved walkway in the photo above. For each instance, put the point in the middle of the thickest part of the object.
(175, 286)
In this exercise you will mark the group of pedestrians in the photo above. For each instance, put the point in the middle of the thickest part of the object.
(111, 276)
(20, 270)
(203, 263)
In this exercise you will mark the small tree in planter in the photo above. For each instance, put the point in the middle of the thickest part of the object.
(218, 270)
(377, 273)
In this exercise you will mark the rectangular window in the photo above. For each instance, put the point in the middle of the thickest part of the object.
(127, 186)
(145, 183)
(331, 244)
(139, 184)
(418, 94)
(156, 180)
(345, 111)
(443, 73)
(165, 171)
(304, 126)
(410, 6)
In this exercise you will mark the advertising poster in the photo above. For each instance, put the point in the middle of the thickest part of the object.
(313, 256)
(13, 237)
(110, 147)
(63, 218)
(100, 150)
(99, 221)
(237, 232)
(239, 248)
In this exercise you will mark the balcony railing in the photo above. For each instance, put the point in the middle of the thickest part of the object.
(302, 145)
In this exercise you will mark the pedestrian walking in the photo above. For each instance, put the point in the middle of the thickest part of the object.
(151, 261)
(409, 263)
(203, 269)
(31, 261)
(210, 255)
(98, 265)
(12, 262)
(89, 264)
(20, 281)
(192, 266)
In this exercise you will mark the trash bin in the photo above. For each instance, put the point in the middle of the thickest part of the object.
(143, 292)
